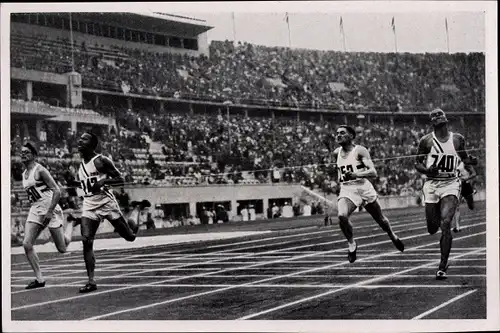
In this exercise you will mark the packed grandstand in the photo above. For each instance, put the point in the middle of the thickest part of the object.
(239, 113)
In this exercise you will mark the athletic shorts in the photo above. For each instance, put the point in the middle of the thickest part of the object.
(38, 211)
(109, 210)
(435, 190)
(466, 189)
(359, 194)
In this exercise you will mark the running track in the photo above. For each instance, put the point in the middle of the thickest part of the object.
(286, 274)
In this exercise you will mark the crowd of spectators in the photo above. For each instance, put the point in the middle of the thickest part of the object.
(227, 150)
(254, 74)
(219, 149)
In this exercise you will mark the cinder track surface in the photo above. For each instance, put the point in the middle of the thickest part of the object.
(300, 272)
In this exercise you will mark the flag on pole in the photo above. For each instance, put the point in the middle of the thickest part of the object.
(393, 25)
(286, 17)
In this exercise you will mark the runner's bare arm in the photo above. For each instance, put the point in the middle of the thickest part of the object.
(51, 183)
(106, 166)
(364, 157)
(334, 159)
(459, 142)
(424, 148)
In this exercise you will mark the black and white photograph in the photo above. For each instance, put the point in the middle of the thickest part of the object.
(250, 166)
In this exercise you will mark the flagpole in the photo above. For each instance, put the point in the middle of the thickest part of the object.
(342, 32)
(447, 35)
(289, 36)
(393, 25)
(234, 28)
(72, 46)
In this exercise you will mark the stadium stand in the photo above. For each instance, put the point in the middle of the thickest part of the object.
(253, 74)
(158, 148)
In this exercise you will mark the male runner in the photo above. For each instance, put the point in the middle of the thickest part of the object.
(95, 174)
(44, 212)
(354, 166)
(439, 154)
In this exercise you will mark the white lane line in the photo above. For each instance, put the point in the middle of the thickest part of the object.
(354, 285)
(454, 299)
(218, 271)
(229, 277)
(247, 255)
(183, 266)
(172, 253)
(264, 280)
(256, 286)
(114, 252)
(232, 269)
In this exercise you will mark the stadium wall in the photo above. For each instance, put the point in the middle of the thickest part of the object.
(385, 202)
(91, 40)
(38, 76)
(214, 193)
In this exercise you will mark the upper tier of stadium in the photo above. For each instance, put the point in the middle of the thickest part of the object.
(244, 73)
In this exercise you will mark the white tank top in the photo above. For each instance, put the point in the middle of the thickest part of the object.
(445, 157)
(38, 190)
(349, 163)
(88, 175)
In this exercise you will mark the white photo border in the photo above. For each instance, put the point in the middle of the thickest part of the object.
(493, 277)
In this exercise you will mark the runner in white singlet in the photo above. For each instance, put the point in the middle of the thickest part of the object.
(354, 166)
(96, 173)
(45, 211)
(439, 154)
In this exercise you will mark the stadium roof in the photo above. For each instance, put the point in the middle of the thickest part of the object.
(180, 26)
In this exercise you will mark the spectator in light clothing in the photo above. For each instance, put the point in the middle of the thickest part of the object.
(252, 214)
(306, 209)
(287, 210)
(244, 213)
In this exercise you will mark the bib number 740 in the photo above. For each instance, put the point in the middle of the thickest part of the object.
(444, 163)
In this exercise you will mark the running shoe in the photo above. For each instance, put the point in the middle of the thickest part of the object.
(88, 288)
(352, 255)
(398, 244)
(35, 284)
(441, 275)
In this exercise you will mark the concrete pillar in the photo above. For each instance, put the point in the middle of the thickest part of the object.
(26, 132)
(96, 100)
(73, 125)
(29, 90)
(38, 128)
(321, 117)
(162, 106)
(129, 103)
(392, 120)
(265, 205)
(345, 119)
(246, 113)
(298, 116)
(234, 208)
